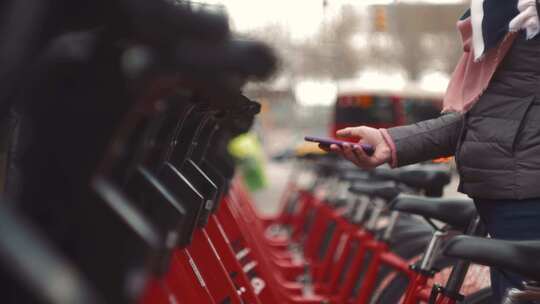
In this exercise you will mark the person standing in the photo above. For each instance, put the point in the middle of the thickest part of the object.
(490, 123)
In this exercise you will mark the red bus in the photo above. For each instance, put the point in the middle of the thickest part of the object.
(383, 108)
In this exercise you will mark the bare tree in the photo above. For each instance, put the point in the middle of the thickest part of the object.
(434, 24)
(335, 41)
(415, 37)
(422, 36)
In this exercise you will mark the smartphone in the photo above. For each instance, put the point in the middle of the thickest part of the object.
(368, 149)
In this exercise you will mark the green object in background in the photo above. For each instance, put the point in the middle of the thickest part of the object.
(246, 148)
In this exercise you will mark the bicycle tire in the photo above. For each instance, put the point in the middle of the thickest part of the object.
(483, 296)
(395, 289)
(409, 240)
(407, 246)
(412, 247)
(392, 293)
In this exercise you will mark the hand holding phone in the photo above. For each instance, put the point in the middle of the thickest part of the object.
(368, 149)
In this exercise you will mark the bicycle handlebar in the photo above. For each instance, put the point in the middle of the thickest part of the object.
(249, 59)
(163, 22)
(155, 22)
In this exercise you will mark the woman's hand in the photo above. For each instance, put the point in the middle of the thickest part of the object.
(356, 154)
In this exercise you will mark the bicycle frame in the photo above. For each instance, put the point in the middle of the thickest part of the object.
(381, 255)
(273, 288)
(418, 290)
(450, 294)
(223, 246)
(327, 276)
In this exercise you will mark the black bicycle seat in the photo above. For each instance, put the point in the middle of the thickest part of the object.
(456, 212)
(432, 179)
(385, 190)
(342, 165)
(323, 165)
(354, 175)
(516, 256)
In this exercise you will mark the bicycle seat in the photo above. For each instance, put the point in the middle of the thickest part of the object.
(517, 256)
(354, 175)
(456, 212)
(385, 190)
(432, 179)
(345, 166)
(325, 166)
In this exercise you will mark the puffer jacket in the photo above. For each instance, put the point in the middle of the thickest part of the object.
(497, 143)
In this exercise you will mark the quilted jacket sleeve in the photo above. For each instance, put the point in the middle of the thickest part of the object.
(427, 139)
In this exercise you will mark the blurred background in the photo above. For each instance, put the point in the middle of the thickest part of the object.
(343, 62)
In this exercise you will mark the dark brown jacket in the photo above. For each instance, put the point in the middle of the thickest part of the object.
(497, 143)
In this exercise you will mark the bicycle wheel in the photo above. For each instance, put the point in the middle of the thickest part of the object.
(476, 287)
(392, 291)
(413, 247)
(482, 296)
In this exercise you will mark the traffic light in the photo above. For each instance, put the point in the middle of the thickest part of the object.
(379, 20)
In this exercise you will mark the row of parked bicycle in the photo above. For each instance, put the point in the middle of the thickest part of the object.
(120, 115)
(377, 237)
(120, 188)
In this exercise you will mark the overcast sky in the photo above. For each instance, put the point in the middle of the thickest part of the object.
(301, 17)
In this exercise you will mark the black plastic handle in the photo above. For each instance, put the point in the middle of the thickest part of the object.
(250, 59)
(165, 22)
